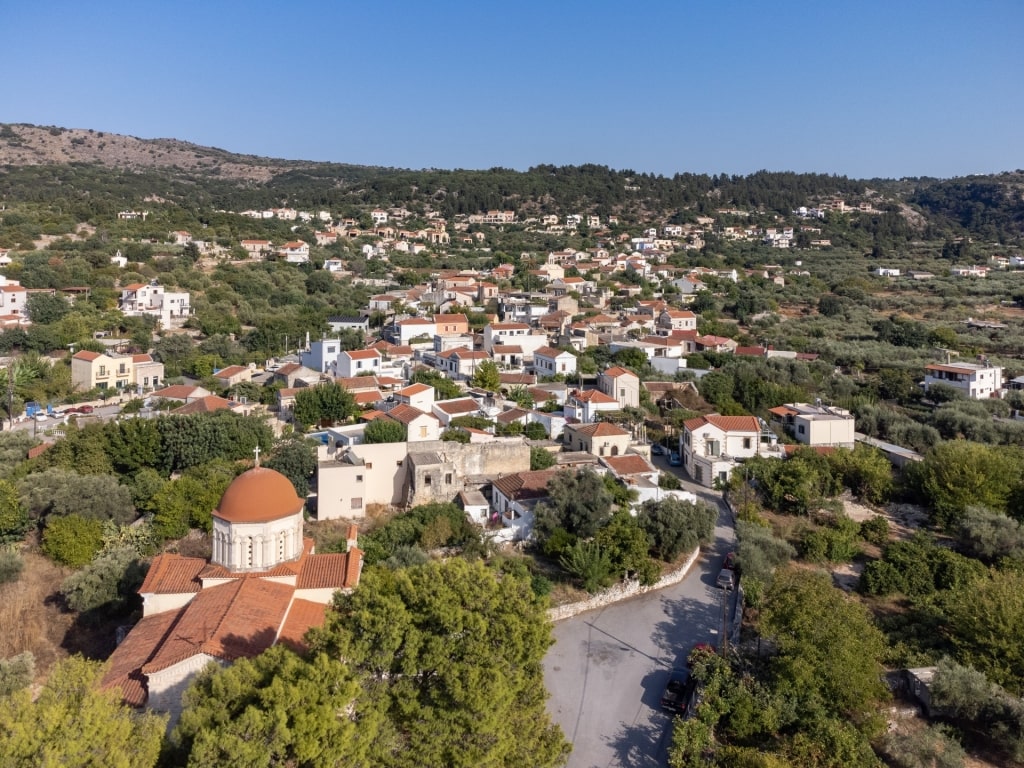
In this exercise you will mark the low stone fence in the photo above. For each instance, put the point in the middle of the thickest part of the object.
(623, 591)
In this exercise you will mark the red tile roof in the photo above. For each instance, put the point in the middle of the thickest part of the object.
(526, 485)
(362, 354)
(630, 464)
(405, 414)
(593, 396)
(414, 389)
(725, 423)
(227, 621)
(173, 574)
(302, 615)
(550, 352)
(617, 371)
(455, 407)
(86, 355)
(135, 651)
(600, 429)
(207, 404)
(331, 571)
(367, 397)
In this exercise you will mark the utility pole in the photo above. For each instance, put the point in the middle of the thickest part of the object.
(10, 395)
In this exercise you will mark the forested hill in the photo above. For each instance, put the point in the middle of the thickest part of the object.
(97, 172)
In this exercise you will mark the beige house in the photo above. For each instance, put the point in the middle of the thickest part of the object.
(419, 425)
(232, 375)
(600, 439)
(90, 370)
(621, 384)
(816, 425)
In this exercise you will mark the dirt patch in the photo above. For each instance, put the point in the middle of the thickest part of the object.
(904, 519)
(847, 576)
(32, 616)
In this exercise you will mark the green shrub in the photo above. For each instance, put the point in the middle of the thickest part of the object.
(590, 563)
(73, 540)
(16, 673)
(875, 530)
(11, 565)
(881, 578)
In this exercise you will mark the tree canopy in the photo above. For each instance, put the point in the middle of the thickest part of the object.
(449, 654)
(73, 723)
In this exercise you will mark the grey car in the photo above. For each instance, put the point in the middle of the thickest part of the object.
(726, 579)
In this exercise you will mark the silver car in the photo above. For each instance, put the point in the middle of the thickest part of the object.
(726, 579)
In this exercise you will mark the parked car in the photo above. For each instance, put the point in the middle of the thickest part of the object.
(726, 579)
(676, 697)
(674, 459)
(657, 449)
(80, 409)
(41, 416)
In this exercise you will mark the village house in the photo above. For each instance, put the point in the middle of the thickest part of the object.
(171, 308)
(295, 252)
(13, 301)
(600, 439)
(358, 362)
(976, 381)
(586, 405)
(712, 445)
(621, 384)
(548, 361)
(91, 370)
(816, 425)
(257, 249)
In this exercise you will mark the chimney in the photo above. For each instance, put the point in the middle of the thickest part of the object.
(352, 540)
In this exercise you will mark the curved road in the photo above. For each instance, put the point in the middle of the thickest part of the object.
(608, 667)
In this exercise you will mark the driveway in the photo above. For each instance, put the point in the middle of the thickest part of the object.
(608, 668)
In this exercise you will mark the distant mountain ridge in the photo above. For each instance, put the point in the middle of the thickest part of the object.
(53, 162)
(22, 145)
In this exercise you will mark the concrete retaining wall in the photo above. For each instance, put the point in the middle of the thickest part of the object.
(623, 591)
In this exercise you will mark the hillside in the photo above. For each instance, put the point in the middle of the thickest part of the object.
(28, 145)
(50, 162)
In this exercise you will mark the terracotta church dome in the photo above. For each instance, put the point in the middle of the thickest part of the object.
(258, 496)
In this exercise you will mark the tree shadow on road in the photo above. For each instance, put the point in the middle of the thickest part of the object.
(645, 745)
(686, 623)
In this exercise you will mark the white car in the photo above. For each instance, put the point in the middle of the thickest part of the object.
(41, 416)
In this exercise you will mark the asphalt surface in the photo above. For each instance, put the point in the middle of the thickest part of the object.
(608, 667)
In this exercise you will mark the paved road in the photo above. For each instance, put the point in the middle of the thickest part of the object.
(608, 668)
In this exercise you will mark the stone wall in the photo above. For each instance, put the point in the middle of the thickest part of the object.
(501, 456)
(623, 591)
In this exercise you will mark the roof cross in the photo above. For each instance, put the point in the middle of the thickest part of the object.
(256, 450)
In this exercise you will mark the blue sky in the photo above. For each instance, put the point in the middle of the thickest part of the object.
(896, 88)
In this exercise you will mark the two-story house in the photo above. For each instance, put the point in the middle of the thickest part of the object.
(621, 384)
(91, 370)
(584, 406)
(712, 445)
(548, 361)
(976, 381)
(171, 308)
(676, 320)
(816, 425)
(13, 302)
(295, 252)
(358, 362)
